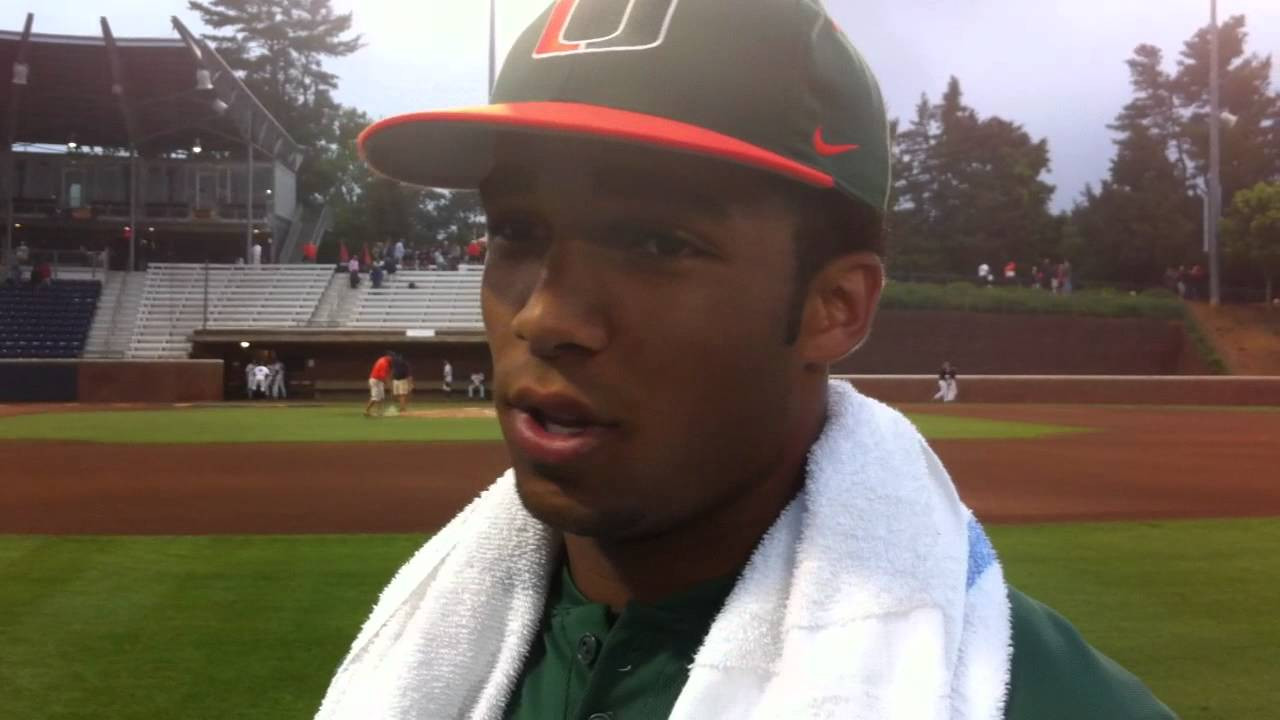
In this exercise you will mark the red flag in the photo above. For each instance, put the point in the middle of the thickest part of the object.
(368, 259)
(343, 255)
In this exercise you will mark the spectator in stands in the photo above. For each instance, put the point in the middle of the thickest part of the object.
(278, 389)
(309, 251)
(353, 268)
(401, 380)
(1181, 282)
(255, 257)
(985, 278)
(1011, 273)
(1195, 282)
(477, 384)
(376, 274)
(1171, 279)
(22, 252)
(398, 252)
(1064, 277)
(15, 274)
(474, 253)
(42, 273)
(378, 379)
(448, 377)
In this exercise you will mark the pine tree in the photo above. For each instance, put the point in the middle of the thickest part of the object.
(1250, 152)
(969, 192)
(279, 48)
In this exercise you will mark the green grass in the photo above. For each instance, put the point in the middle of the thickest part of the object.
(971, 298)
(281, 424)
(1190, 607)
(345, 424)
(945, 427)
(253, 627)
(208, 627)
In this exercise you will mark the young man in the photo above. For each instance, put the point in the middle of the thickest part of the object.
(447, 381)
(401, 381)
(477, 385)
(684, 201)
(379, 377)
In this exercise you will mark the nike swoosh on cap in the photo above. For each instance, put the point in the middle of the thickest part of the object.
(826, 149)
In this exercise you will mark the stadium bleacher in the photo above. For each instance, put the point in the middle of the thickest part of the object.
(47, 321)
(439, 300)
(239, 296)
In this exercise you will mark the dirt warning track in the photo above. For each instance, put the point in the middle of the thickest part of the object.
(1140, 463)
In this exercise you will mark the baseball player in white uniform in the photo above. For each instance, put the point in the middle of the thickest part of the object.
(477, 384)
(448, 377)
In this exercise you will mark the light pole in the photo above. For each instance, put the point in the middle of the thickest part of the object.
(1215, 157)
(493, 43)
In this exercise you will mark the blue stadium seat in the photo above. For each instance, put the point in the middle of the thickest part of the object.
(47, 322)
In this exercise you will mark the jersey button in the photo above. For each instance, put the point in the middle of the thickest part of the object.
(588, 648)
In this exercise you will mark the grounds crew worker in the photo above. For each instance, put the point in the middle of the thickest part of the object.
(685, 201)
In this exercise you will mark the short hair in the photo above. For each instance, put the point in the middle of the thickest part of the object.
(830, 225)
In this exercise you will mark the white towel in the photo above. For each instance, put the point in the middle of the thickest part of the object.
(875, 595)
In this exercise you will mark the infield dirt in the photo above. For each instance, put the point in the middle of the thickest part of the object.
(1141, 463)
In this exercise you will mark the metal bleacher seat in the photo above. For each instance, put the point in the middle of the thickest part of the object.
(439, 300)
(176, 297)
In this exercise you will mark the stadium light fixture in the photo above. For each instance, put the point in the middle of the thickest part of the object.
(17, 226)
(204, 81)
(21, 71)
(151, 229)
(196, 147)
(244, 344)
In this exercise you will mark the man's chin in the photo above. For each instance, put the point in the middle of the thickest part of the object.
(547, 498)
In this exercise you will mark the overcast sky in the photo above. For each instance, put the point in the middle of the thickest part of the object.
(1056, 66)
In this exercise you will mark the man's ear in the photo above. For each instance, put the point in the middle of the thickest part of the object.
(840, 307)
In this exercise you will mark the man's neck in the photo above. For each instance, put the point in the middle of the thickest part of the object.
(714, 545)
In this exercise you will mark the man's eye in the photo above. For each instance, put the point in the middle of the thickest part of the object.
(658, 244)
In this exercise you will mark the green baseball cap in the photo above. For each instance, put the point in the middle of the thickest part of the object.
(768, 84)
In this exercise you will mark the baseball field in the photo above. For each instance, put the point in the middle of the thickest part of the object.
(215, 562)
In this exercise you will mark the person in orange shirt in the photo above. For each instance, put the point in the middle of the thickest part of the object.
(378, 379)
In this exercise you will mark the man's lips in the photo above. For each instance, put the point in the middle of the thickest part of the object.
(555, 428)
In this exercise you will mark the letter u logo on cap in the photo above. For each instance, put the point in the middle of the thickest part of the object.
(641, 25)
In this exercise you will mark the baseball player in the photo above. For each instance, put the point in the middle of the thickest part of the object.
(448, 377)
(948, 390)
(261, 377)
(278, 388)
(248, 378)
(379, 377)
(477, 385)
(401, 380)
(685, 202)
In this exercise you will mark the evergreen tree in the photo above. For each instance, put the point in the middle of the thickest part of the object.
(1250, 151)
(969, 191)
(279, 48)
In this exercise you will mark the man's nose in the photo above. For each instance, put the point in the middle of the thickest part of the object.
(564, 313)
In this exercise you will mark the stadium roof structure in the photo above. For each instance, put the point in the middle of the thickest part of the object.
(154, 95)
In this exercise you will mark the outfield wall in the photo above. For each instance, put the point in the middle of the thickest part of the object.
(1114, 390)
(111, 381)
(918, 341)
